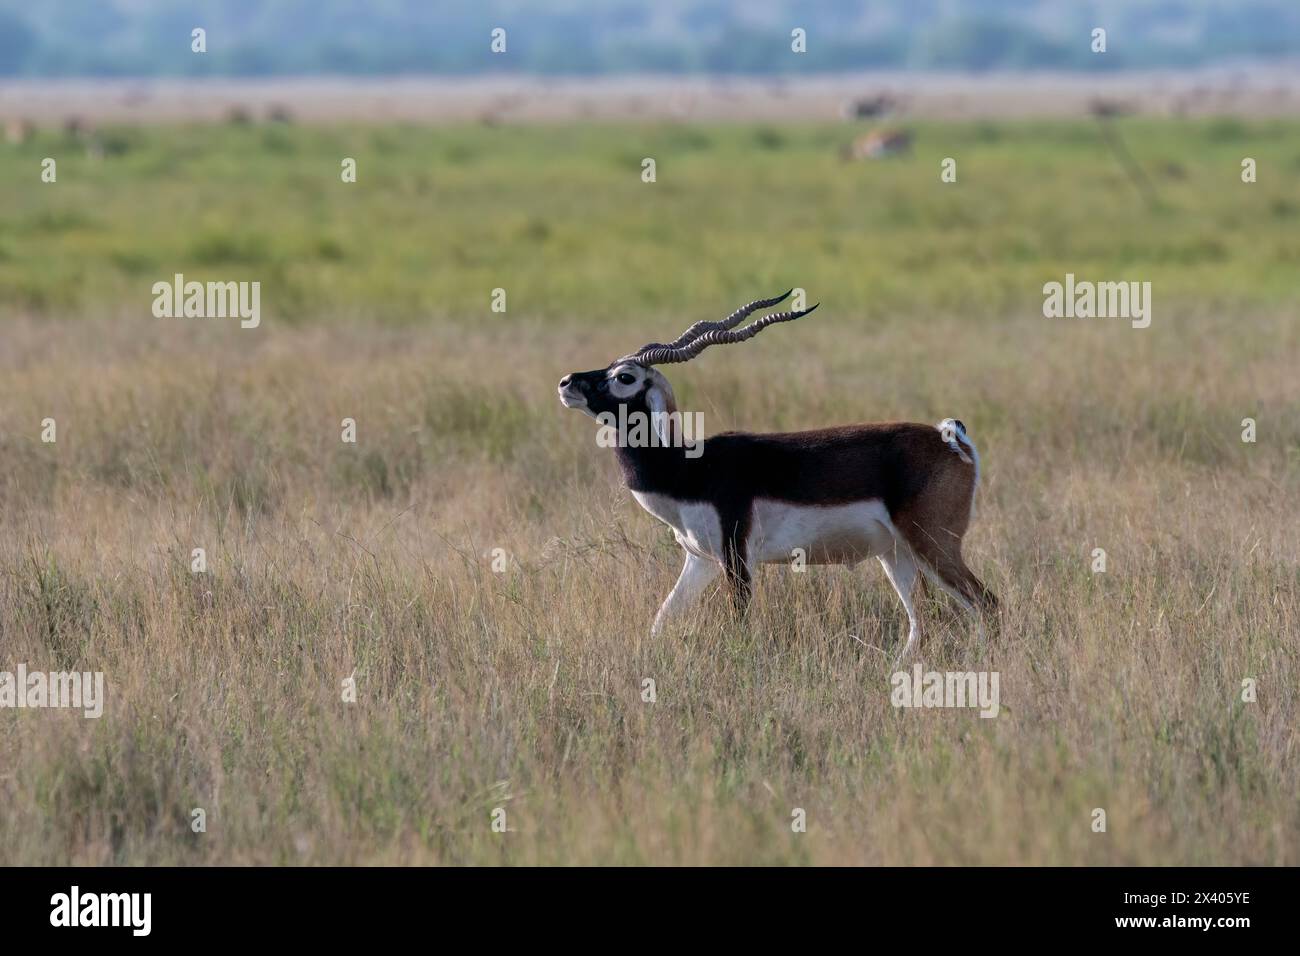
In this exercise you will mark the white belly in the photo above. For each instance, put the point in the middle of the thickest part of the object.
(832, 534)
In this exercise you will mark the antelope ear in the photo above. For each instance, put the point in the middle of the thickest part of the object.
(661, 414)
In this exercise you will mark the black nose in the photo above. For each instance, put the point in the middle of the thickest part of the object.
(565, 382)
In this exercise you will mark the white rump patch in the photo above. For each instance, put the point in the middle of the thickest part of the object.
(956, 438)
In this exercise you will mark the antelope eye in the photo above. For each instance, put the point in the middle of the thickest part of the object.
(626, 378)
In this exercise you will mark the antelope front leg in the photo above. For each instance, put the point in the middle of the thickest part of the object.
(697, 574)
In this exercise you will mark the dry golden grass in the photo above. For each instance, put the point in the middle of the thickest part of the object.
(522, 689)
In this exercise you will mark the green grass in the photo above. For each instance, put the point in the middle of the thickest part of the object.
(559, 217)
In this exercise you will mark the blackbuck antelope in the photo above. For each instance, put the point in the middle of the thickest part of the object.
(896, 491)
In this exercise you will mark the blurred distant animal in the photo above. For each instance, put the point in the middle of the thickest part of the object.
(78, 127)
(1102, 107)
(82, 129)
(19, 131)
(878, 144)
(868, 107)
(1105, 112)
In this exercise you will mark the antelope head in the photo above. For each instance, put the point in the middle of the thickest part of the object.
(633, 381)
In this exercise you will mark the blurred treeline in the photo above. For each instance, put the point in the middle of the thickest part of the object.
(287, 37)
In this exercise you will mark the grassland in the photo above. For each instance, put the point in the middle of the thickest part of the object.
(522, 689)
(560, 218)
